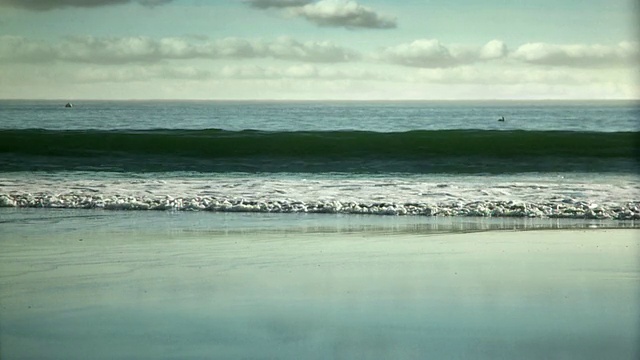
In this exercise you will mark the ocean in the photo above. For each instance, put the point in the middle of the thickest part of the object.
(547, 159)
(319, 230)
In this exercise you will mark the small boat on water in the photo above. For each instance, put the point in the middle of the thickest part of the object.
(68, 105)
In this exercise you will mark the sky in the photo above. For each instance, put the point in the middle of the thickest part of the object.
(319, 49)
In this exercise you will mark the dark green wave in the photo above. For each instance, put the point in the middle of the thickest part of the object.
(458, 147)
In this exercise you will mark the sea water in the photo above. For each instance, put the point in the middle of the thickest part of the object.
(318, 230)
(379, 116)
(548, 159)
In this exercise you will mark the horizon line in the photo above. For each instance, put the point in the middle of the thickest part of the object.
(319, 100)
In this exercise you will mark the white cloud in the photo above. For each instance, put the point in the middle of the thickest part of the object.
(344, 13)
(137, 73)
(17, 48)
(511, 76)
(430, 53)
(289, 66)
(330, 13)
(265, 4)
(153, 3)
(310, 81)
(494, 49)
(45, 5)
(420, 53)
(302, 71)
(315, 51)
(244, 72)
(200, 73)
(579, 55)
(107, 50)
(121, 50)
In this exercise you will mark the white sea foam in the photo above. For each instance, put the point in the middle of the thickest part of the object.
(521, 196)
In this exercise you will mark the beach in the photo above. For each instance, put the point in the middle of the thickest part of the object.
(329, 287)
(315, 230)
(319, 179)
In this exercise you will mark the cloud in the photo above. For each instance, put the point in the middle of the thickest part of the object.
(19, 49)
(302, 71)
(494, 49)
(137, 73)
(153, 3)
(420, 53)
(266, 4)
(45, 5)
(129, 73)
(330, 13)
(507, 76)
(250, 80)
(579, 55)
(140, 49)
(344, 13)
(315, 51)
(430, 53)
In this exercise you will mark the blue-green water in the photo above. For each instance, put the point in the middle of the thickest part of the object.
(263, 242)
(398, 116)
(558, 159)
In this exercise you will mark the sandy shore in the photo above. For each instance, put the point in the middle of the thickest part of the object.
(561, 294)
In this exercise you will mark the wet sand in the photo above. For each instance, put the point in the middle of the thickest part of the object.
(560, 294)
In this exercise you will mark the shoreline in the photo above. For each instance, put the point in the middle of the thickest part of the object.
(148, 293)
(42, 220)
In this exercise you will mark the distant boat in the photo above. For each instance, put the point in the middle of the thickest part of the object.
(69, 105)
(501, 119)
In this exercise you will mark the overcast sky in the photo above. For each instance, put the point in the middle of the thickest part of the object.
(326, 49)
